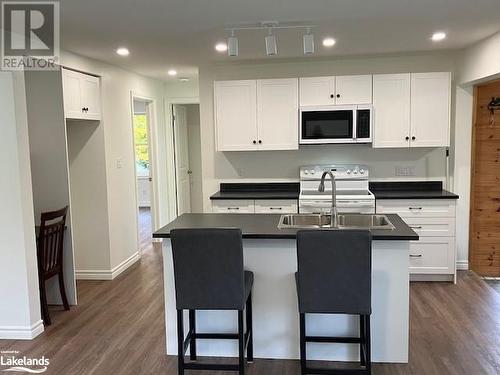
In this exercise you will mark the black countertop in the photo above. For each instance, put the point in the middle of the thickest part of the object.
(410, 190)
(276, 190)
(265, 226)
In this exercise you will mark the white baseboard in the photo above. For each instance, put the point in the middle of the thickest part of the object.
(108, 274)
(462, 265)
(20, 332)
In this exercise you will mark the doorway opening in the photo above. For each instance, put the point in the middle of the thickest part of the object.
(141, 124)
(484, 246)
(187, 153)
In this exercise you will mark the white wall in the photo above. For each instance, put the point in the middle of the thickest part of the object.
(194, 145)
(480, 62)
(49, 164)
(117, 85)
(20, 316)
(219, 166)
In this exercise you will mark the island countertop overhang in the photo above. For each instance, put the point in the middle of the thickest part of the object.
(265, 226)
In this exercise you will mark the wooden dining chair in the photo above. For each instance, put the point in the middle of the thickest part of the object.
(50, 244)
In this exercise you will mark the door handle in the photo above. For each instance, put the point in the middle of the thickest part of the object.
(415, 256)
(416, 227)
(189, 171)
(415, 208)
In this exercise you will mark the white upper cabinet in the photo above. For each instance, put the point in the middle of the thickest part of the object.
(257, 114)
(81, 95)
(430, 109)
(236, 115)
(391, 110)
(317, 91)
(353, 89)
(277, 114)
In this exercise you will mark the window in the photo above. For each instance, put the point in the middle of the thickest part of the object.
(141, 144)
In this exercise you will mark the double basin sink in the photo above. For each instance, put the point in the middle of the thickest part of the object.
(346, 221)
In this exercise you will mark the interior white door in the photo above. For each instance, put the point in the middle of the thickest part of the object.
(316, 91)
(391, 110)
(353, 89)
(277, 114)
(71, 94)
(90, 96)
(236, 115)
(430, 109)
(182, 160)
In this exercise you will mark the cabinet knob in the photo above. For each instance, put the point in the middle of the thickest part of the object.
(338, 95)
(332, 96)
(413, 138)
(254, 142)
(407, 138)
(260, 141)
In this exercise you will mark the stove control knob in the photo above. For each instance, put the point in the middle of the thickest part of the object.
(348, 171)
(306, 171)
(362, 171)
(355, 171)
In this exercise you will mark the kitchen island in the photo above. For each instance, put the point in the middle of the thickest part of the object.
(271, 254)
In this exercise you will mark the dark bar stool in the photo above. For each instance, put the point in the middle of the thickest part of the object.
(209, 275)
(334, 277)
(50, 246)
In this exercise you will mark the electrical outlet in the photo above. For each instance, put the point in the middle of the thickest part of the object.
(119, 163)
(405, 171)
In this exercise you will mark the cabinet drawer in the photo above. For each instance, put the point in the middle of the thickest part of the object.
(233, 206)
(417, 207)
(432, 226)
(275, 206)
(432, 255)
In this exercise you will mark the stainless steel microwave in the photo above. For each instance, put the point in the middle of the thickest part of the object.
(336, 124)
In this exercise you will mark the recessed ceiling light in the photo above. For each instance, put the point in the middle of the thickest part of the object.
(184, 79)
(438, 36)
(172, 72)
(122, 51)
(329, 42)
(221, 47)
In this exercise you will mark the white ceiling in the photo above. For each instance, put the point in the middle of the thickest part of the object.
(181, 34)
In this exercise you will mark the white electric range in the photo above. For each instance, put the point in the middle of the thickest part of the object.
(353, 195)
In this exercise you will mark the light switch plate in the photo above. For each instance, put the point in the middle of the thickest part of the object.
(119, 163)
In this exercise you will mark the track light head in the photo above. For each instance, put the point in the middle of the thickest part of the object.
(232, 45)
(271, 44)
(308, 43)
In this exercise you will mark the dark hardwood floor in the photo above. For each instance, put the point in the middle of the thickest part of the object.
(118, 328)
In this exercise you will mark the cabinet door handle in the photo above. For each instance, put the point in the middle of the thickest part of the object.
(415, 227)
(233, 208)
(338, 95)
(260, 142)
(413, 138)
(415, 255)
(332, 96)
(415, 208)
(275, 208)
(254, 142)
(407, 138)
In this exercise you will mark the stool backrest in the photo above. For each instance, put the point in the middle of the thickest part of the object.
(208, 268)
(334, 271)
(51, 241)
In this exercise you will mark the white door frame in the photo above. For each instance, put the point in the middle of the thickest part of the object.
(170, 148)
(150, 112)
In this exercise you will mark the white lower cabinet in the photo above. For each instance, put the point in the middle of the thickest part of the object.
(268, 206)
(434, 254)
(259, 206)
(233, 206)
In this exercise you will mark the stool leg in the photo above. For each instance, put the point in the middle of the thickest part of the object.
(180, 342)
(241, 343)
(362, 344)
(192, 330)
(368, 344)
(249, 328)
(303, 360)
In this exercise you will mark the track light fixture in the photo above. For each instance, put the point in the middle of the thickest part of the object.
(271, 45)
(232, 45)
(270, 39)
